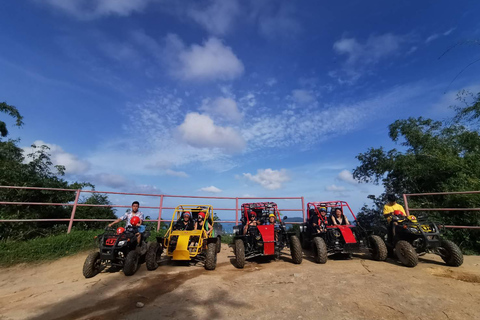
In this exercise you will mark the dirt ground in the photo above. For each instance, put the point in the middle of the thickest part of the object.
(340, 289)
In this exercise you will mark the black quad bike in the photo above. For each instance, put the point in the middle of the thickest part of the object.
(417, 237)
(332, 239)
(264, 239)
(122, 250)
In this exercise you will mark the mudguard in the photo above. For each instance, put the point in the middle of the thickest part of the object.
(268, 236)
(347, 234)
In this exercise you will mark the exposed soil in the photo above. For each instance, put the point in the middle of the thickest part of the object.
(340, 289)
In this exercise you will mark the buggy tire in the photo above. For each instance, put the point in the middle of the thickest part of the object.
(211, 256)
(453, 255)
(131, 263)
(219, 244)
(91, 267)
(320, 251)
(406, 253)
(153, 255)
(296, 250)
(378, 248)
(239, 253)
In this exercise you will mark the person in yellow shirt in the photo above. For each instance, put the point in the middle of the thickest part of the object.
(389, 210)
(392, 208)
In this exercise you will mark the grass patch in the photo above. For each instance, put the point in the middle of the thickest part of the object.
(47, 248)
(51, 247)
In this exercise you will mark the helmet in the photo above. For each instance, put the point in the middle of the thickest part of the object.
(201, 214)
(134, 221)
(398, 213)
(120, 230)
(187, 213)
(271, 215)
(323, 209)
(252, 214)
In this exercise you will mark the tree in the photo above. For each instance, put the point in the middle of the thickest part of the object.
(37, 170)
(434, 157)
(13, 112)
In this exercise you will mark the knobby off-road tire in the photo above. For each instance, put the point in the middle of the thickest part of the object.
(219, 244)
(452, 254)
(152, 257)
(92, 264)
(131, 263)
(239, 253)
(296, 249)
(211, 257)
(378, 248)
(406, 253)
(320, 250)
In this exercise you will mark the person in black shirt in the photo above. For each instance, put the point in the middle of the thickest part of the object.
(319, 220)
(185, 223)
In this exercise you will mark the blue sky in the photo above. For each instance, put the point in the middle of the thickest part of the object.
(229, 97)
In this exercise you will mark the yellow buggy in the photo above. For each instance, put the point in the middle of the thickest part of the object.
(183, 242)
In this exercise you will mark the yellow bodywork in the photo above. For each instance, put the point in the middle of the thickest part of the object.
(188, 244)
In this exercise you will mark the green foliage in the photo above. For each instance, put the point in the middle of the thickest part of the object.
(13, 112)
(37, 170)
(46, 248)
(434, 157)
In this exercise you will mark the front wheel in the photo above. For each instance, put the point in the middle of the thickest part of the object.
(378, 248)
(450, 253)
(320, 250)
(296, 249)
(131, 263)
(406, 253)
(211, 257)
(152, 257)
(92, 264)
(239, 253)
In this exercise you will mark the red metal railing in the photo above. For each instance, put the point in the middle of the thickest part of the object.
(408, 209)
(160, 208)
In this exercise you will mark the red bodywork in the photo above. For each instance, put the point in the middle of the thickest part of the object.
(111, 241)
(268, 235)
(346, 231)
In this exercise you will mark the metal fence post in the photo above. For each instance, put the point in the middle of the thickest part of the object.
(70, 224)
(236, 211)
(160, 212)
(303, 209)
(406, 204)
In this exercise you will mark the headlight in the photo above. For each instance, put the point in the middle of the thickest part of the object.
(413, 230)
(121, 243)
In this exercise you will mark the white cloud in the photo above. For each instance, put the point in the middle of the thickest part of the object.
(218, 17)
(110, 180)
(271, 82)
(174, 173)
(225, 108)
(199, 130)
(268, 178)
(435, 36)
(361, 55)
(210, 61)
(275, 20)
(303, 96)
(335, 188)
(87, 9)
(412, 50)
(347, 176)
(73, 165)
(211, 189)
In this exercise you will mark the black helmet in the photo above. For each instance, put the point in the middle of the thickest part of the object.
(391, 197)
